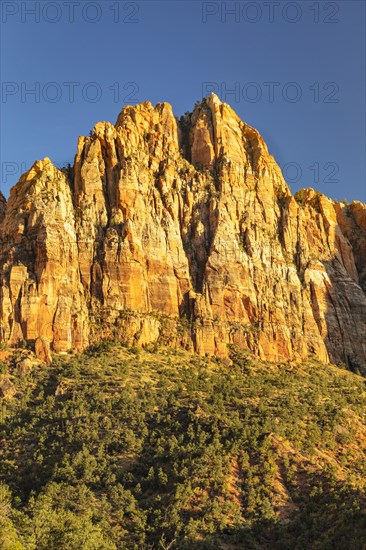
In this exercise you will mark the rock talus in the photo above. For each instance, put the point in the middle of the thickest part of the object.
(182, 230)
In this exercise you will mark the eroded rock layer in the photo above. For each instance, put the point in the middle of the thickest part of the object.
(184, 231)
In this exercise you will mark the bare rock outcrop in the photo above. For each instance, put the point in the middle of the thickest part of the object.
(184, 230)
(7, 388)
(41, 292)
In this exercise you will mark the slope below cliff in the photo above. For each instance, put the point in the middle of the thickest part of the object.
(182, 231)
(123, 448)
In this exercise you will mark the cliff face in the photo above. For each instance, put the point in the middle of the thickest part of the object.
(183, 230)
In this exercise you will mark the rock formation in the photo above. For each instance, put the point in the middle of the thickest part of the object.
(181, 230)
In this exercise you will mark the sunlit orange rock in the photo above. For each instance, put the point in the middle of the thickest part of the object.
(183, 230)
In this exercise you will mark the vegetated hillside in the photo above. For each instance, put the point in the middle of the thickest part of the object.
(137, 449)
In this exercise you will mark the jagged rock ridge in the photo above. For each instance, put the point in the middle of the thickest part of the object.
(183, 230)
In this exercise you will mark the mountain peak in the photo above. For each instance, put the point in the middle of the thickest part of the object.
(214, 99)
(182, 231)
(39, 166)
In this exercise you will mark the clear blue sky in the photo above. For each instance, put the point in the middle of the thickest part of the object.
(298, 69)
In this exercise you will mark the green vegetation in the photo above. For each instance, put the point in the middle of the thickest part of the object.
(301, 197)
(123, 448)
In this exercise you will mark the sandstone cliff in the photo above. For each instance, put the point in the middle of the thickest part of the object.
(181, 230)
